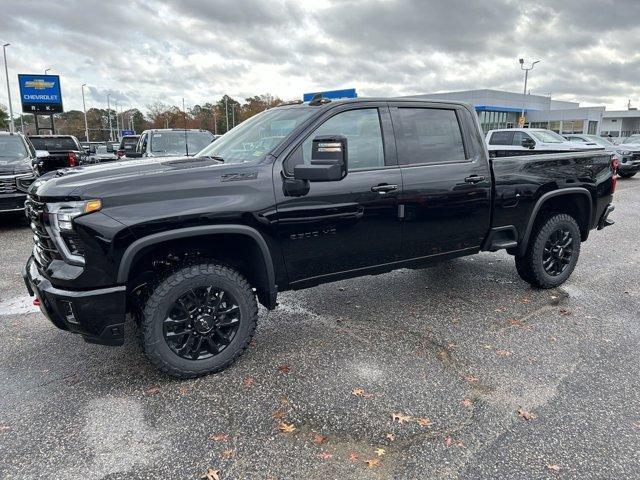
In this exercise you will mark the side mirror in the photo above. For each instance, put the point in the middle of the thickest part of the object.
(41, 153)
(528, 143)
(328, 160)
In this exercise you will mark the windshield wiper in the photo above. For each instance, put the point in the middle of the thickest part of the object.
(215, 157)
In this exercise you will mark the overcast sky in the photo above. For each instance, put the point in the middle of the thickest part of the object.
(143, 51)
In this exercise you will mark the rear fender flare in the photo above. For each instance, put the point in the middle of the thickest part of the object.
(522, 248)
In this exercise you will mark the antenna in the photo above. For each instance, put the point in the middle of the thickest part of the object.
(186, 143)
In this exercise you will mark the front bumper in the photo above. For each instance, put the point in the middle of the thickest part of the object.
(97, 315)
(628, 165)
(12, 202)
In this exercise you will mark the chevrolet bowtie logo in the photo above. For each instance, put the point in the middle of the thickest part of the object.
(39, 84)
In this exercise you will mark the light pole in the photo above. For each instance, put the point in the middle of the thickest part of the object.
(524, 94)
(117, 121)
(46, 70)
(226, 112)
(84, 109)
(109, 113)
(12, 127)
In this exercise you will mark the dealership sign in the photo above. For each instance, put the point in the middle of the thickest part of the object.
(332, 94)
(40, 94)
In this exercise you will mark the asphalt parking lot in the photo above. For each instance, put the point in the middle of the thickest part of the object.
(459, 371)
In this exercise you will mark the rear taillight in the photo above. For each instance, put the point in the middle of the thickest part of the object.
(72, 159)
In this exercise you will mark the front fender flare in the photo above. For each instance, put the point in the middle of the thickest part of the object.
(132, 250)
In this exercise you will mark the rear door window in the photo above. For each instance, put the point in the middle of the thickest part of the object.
(428, 136)
(501, 138)
(519, 137)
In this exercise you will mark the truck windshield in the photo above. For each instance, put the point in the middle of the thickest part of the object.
(175, 142)
(54, 143)
(12, 149)
(254, 138)
(547, 136)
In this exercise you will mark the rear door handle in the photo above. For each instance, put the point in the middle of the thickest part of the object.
(384, 188)
(474, 179)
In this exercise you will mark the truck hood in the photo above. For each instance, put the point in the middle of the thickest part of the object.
(632, 147)
(94, 180)
(15, 167)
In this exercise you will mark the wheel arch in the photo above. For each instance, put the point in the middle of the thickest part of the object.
(261, 273)
(575, 201)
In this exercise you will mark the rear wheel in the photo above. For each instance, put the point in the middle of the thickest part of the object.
(626, 175)
(198, 320)
(552, 252)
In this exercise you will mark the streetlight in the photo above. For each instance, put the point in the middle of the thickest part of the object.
(109, 113)
(46, 70)
(84, 109)
(117, 121)
(12, 127)
(526, 76)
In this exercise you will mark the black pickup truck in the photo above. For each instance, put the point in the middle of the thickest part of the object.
(296, 196)
(64, 151)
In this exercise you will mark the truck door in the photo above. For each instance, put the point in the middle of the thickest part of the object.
(446, 194)
(348, 224)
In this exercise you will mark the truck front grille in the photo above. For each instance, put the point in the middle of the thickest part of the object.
(44, 250)
(8, 185)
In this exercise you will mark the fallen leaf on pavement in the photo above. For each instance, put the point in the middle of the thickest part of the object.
(514, 322)
(227, 454)
(286, 427)
(400, 418)
(553, 467)
(353, 456)
(248, 382)
(526, 415)
(211, 474)
(467, 402)
(501, 309)
(278, 414)
(423, 422)
(325, 455)
(359, 392)
(471, 379)
(380, 451)
(525, 300)
(447, 441)
(374, 462)
(391, 437)
(564, 311)
(184, 390)
(219, 437)
(284, 368)
(319, 439)
(503, 353)
(153, 390)
(460, 444)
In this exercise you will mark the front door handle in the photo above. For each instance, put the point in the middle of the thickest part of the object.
(384, 188)
(474, 179)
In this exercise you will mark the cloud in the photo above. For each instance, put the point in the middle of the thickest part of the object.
(151, 50)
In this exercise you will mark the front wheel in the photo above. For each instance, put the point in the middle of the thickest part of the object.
(198, 320)
(552, 252)
(626, 175)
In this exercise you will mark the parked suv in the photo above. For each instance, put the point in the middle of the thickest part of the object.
(296, 196)
(528, 141)
(17, 160)
(627, 154)
(171, 142)
(127, 145)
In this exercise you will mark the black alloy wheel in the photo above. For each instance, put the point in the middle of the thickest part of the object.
(201, 323)
(558, 251)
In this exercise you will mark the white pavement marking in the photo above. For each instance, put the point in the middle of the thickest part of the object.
(18, 306)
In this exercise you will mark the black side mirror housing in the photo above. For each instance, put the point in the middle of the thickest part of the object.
(528, 143)
(328, 160)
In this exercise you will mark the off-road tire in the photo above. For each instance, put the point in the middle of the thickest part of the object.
(168, 291)
(530, 265)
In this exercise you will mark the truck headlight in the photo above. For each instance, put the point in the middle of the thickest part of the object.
(64, 213)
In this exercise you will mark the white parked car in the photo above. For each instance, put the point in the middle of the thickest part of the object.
(526, 141)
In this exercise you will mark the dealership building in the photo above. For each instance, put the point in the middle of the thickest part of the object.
(499, 109)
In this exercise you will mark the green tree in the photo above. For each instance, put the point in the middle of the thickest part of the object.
(4, 118)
